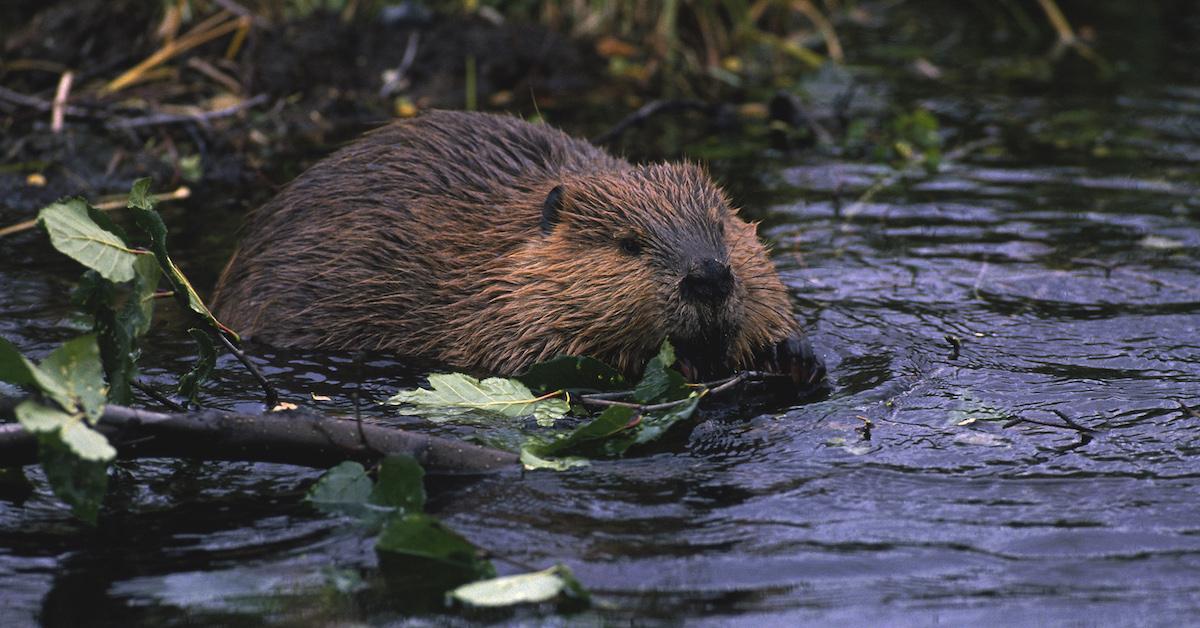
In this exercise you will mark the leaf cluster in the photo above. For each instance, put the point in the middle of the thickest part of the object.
(410, 541)
(550, 390)
(117, 292)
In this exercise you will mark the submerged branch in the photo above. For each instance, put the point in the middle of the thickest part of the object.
(268, 389)
(652, 109)
(302, 437)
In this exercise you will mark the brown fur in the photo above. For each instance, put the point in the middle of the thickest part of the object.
(424, 238)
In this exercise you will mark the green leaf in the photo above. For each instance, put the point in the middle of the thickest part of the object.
(418, 541)
(80, 483)
(145, 284)
(343, 488)
(507, 397)
(86, 442)
(106, 223)
(666, 354)
(140, 196)
(119, 325)
(17, 369)
(36, 418)
(401, 484)
(613, 420)
(142, 205)
(659, 382)
(532, 461)
(75, 234)
(656, 424)
(190, 382)
(579, 375)
(76, 367)
(527, 588)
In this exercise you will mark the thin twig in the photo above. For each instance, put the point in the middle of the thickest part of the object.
(34, 102)
(717, 387)
(272, 395)
(650, 110)
(202, 117)
(157, 396)
(398, 80)
(60, 101)
(181, 192)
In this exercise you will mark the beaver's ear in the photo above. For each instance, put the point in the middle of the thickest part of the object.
(550, 209)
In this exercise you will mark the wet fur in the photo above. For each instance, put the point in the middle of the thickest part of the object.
(427, 238)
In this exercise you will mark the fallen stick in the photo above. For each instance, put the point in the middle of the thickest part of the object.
(200, 117)
(302, 437)
(108, 205)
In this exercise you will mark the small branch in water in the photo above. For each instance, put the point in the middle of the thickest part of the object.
(301, 437)
(652, 109)
(272, 395)
(157, 396)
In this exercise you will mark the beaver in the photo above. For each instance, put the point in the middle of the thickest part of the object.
(484, 241)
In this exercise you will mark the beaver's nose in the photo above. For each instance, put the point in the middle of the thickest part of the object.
(707, 280)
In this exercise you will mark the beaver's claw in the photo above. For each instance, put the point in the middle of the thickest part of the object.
(797, 370)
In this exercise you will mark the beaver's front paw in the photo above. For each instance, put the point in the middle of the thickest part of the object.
(793, 368)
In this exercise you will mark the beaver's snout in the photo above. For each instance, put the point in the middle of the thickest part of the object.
(709, 281)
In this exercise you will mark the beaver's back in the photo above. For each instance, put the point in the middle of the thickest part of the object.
(368, 246)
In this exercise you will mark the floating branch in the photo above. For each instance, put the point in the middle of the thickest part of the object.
(302, 437)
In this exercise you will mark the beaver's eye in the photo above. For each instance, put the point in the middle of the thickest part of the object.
(630, 245)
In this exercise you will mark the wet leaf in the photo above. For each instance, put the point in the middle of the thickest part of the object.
(457, 391)
(75, 234)
(401, 484)
(347, 483)
(532, 461)
(578, 375)
(86, 442)
(76, 369)
(17, 369)
(527, 588)
(660, 383)
(147, 273)
(36, 418)
(80, 483)
(117, 324)
(190, 382)
(419, 541)
(613, 420)
(141, 202)
(654, 425)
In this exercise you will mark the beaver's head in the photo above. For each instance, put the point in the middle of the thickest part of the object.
(621, 260)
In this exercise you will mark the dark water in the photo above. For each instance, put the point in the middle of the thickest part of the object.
(1046, 472)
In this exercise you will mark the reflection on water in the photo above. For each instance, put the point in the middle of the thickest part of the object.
(1015, 343)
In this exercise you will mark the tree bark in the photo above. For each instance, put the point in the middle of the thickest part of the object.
(299, 437)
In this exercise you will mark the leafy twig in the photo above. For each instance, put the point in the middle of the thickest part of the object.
(708, 388)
